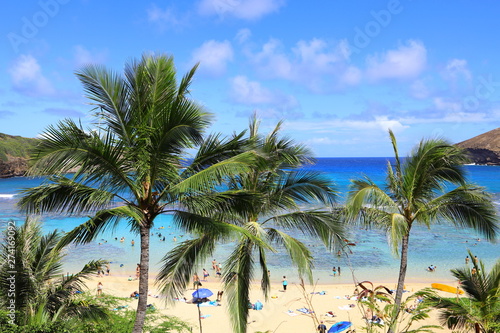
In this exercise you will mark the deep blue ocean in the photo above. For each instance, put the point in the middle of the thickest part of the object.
(370, 259)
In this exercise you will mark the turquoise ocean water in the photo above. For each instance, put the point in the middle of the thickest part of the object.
(370, 259)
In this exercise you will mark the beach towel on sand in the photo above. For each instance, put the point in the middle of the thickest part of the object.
(211, 303)
(291, 313)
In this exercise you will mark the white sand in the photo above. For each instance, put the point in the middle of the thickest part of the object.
(274, 317)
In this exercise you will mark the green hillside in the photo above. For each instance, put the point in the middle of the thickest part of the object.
(15, 146)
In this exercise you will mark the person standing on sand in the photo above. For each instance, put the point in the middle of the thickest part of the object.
(107, 268)
(99, 288)
(137, 271)
(205, 275)
(334, 271)
(322, 327)
(214, 264)
(196, 281)
(285, 283)
(338, 270)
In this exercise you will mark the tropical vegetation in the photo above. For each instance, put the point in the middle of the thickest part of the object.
(275, 196)
(119, 319)
(378, 308)
(131, 163)
(15, 146)
(479, 311)
(33, 288)
(427, 187)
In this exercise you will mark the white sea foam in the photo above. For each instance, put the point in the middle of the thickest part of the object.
(7, 196)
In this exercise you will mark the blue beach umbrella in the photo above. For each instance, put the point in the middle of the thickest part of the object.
(340, 326)
(202, 293)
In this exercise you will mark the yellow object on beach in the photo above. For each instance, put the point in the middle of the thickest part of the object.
(447, 288)
(274, 296)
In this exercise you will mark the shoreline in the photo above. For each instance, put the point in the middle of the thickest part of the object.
(343, 280)
(280, 312)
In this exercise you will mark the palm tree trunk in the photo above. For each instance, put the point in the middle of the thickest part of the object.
(199, 310)
(143, 281)
(401, 282)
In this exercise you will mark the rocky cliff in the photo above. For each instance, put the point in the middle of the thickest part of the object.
(14, 155)
(484, 148)
(15, 166)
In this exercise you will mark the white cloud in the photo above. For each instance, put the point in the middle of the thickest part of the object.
(249, 92)
(243, 35)
(241, 9)
(381, 123)
(351, 76)
(164, 18)
(316, 63)
(442, 104)
(27, 77)
(213, 56)
(318, 54)
(405, 62)
(271, 61)
(83, 56)
(265, 102)
(244, 91)
(455, 69)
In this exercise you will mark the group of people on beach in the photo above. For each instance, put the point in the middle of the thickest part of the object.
(217, 267)
(336, 270)
(101, 272)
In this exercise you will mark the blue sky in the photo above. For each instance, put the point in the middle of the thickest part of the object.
(339, 73)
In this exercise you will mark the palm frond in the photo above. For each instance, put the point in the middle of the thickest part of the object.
(178, 264)
(237, 279)
(305, 187)
(325, 225)
(63, 195)
(108, 91)
(466, 206)
(298, 252)
(103, 220)
(208, 178)
(365, 193)
(213, 150)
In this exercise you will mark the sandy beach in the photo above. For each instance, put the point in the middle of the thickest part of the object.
(280, 310)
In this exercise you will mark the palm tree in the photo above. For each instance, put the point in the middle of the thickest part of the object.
(275, 193)
(31, 274)
(419, 191)
(131, 166)
(480, 311)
